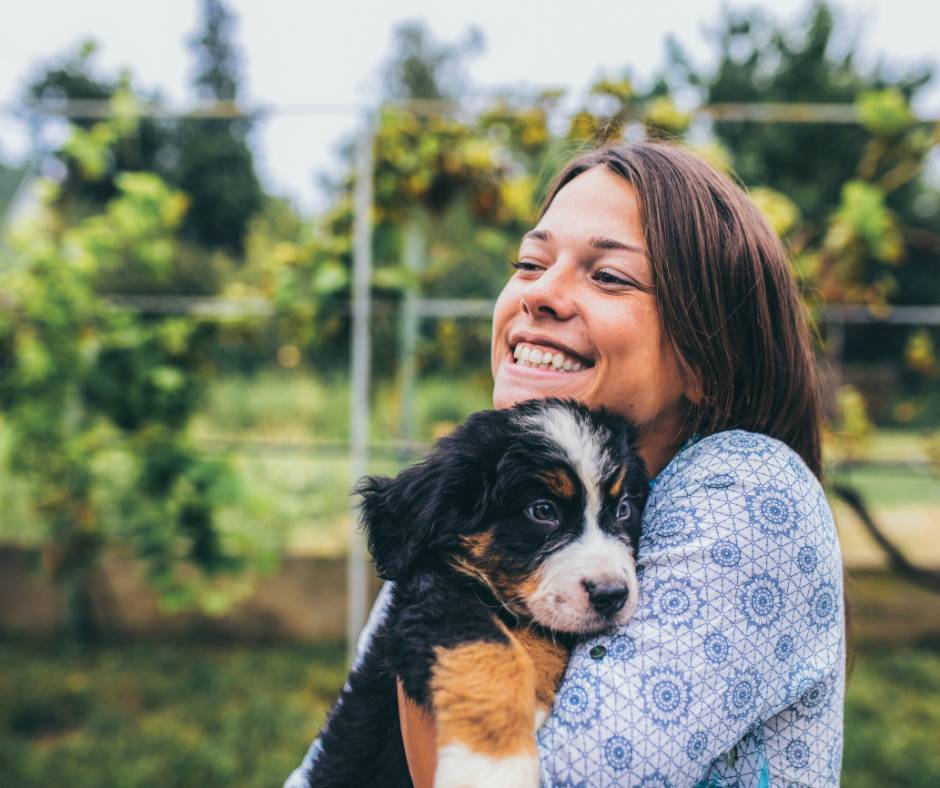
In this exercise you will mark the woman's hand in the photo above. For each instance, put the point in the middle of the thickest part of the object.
(420, 740)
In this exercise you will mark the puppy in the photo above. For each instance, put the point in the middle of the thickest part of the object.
(514, 537)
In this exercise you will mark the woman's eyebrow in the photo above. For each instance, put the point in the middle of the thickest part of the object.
(597, 242)
(610, 243)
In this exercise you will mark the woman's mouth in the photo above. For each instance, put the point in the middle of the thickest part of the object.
(535, 356)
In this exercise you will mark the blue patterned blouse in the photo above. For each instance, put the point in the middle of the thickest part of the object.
(732, 671)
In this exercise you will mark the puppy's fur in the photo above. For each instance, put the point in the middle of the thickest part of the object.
(515, 536)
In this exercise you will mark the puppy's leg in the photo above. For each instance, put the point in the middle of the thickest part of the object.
(483, 696)
(549, 660)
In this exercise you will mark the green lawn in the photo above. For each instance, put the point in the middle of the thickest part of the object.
(221, 715)
(148, 715)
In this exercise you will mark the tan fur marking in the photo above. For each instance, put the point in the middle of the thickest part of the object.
(618, 483)
(478, 545)
(559, 482)
(483, 696)
(549, 659)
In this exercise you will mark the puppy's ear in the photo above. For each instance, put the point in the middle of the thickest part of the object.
(397, 516)
(428, 506)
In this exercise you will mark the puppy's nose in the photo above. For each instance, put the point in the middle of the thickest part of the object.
(606, 598)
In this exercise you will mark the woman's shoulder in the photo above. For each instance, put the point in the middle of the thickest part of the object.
(735, 461)
(740, 483)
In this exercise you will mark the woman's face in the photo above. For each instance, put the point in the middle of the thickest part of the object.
(579, 318)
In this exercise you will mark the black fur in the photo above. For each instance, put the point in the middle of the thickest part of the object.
(480, 478)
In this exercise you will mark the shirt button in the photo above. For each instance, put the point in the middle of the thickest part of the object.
(597, 652)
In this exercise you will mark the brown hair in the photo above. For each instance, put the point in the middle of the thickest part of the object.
(726, 296)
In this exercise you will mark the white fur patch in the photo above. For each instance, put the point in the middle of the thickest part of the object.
(584, 449)
(458, 767)
(561, 601)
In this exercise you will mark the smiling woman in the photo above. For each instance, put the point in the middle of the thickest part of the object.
(653, 287)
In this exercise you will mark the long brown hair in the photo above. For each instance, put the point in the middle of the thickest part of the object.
(726, 295)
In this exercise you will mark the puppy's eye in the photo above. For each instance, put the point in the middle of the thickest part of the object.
(624, 512)
(543, 512)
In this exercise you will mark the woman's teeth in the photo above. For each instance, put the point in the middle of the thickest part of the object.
(528, 356)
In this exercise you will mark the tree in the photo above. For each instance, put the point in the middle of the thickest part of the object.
(216, 166)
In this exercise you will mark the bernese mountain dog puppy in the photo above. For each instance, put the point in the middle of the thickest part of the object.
(514, 537)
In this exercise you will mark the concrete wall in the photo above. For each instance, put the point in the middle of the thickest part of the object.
(303, 600)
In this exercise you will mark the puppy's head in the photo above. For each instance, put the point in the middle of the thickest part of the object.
(540, 503)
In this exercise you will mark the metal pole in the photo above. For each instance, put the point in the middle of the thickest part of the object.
(408, 330)
(357, 578)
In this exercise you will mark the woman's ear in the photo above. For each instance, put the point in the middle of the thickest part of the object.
(694, 391)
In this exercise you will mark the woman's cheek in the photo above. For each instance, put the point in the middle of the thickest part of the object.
(502, 314)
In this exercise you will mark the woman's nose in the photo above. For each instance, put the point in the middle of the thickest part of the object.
(551, 295)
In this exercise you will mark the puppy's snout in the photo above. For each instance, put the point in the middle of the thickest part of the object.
(606, 598)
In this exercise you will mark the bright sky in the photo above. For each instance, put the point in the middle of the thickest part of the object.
(304, 51)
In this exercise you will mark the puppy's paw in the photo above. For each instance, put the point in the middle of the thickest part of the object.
(458, 767)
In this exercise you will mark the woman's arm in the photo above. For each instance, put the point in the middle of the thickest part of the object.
(419, 737)
(740, 624)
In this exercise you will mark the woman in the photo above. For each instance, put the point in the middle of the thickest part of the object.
(663, 281)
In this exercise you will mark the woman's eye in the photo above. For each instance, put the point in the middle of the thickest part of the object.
(624, 512)
(526, 265)
(609, 278)
(543, 512)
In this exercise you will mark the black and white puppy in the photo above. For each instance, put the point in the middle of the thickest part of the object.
(515, 536)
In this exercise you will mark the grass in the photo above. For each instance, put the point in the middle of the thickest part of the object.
(195, 715)
(892, 716)
(144, 715)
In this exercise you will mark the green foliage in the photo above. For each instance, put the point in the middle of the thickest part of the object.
(885, 113)
(82, 380)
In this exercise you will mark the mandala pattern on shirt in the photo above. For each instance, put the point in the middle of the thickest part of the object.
(750, 444)
(797, 753)
(578, 702)
(784, 648)
(655, 780)
(721, 480)
(807, 558)
(618, 752)
(621, 647)
(666, 695)
(726, 553)
(716, 647)
(676, 527)
(742, 693)
(824, 606)
(676, 601)
(773, 509)
(695, 748)
(761, 600)
(809, 691)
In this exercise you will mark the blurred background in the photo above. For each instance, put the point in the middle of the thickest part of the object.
(187, 191)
